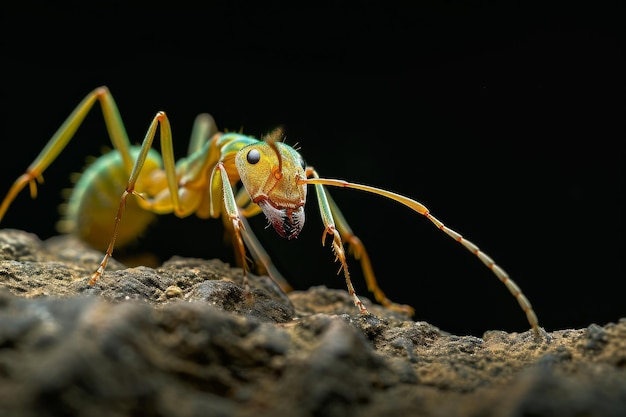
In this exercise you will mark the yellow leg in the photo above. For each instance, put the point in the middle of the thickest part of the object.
(170, 172)
(232, 211)
(337, 245)
(56, 144)
(204, 127)
(357, 249)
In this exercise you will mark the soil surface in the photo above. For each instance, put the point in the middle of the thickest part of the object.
(182, 340)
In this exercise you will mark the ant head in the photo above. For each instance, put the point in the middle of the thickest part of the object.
(270, 170)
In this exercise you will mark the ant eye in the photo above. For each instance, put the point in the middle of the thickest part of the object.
(253, 156)
(302, 163)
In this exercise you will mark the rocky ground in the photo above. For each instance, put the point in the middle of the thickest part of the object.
(180, 340)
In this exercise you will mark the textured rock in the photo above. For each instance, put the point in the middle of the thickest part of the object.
(182, 340)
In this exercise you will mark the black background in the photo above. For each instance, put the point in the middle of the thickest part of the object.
(507, 122)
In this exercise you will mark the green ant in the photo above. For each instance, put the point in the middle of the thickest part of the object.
(206, 182)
